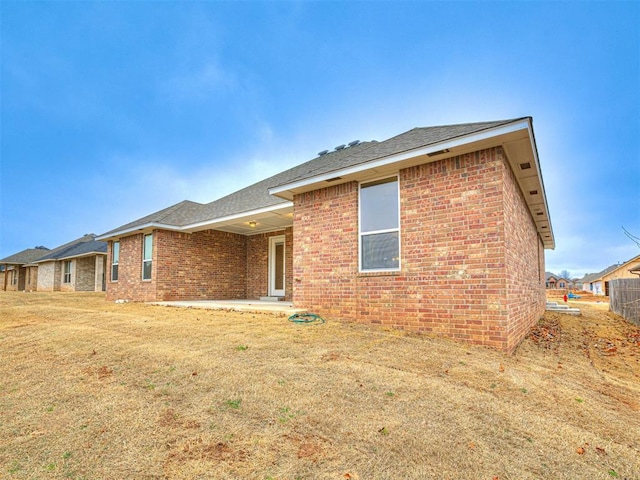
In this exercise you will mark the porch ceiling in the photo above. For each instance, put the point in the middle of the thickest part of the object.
(250, 223)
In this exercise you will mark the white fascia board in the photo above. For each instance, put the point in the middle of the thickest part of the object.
(194, 226)
(71, 257)
(534, 150)
(399, 157)
(137, 228)
(88, 254)
(238, 216)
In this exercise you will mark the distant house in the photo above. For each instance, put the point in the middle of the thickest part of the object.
(77, 266)
(556, 282)
(598, 283)
(17, 274)
(439, 229)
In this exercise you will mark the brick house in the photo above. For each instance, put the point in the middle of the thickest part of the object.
(77, 266)
(17, 272)
(555, 282)
(439, 229)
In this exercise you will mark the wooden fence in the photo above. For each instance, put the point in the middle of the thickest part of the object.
(624, 298)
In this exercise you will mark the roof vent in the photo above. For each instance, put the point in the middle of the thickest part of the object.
(323, 152)
(439, 152)
(525, 166)
(340, 147)
(354, 143)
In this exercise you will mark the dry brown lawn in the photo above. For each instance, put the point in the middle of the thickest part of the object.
(96, 390)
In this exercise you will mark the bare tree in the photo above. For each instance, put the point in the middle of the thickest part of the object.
(565, 274)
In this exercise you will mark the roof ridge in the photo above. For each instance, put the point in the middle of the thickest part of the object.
(495, 122)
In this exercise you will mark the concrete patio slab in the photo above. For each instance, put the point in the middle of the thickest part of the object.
(237, 305)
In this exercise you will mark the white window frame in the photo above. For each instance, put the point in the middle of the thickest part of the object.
(362, 234)
(115, 260)
(150, 260)
(66, 276)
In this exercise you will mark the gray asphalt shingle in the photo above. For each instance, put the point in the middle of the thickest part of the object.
(257, 196)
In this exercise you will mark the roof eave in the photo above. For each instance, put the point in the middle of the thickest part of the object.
(516, 136)
(142, 228)
(218, 223)
(70, 257)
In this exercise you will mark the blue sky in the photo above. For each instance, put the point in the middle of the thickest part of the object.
(113, 110)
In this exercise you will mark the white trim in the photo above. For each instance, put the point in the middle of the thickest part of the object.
(114, 263)
(137, 229)
(194, 226)
(273, 241)
(81, 255)
(374, 232)
(536, 161)
(399, 157)
(144, 260)
(64, 272)
(237, 216)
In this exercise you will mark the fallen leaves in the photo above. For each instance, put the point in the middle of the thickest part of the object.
(546, 333)
(583, 449)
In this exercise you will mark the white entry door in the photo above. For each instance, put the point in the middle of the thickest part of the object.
(276, 266)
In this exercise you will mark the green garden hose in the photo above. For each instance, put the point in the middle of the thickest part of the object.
(306, 318)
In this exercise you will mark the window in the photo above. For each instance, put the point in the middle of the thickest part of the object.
(147, 252)
(14, 277)
(380, 225)
(115, 260)
(67, 272)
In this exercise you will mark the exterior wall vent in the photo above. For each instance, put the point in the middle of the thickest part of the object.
(439, 152)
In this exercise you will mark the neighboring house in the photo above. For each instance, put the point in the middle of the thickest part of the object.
(554, 282)
(439, 229)
(77, 266)
(17, 273)
(598, 283)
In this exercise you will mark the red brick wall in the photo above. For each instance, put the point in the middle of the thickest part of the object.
(130, 285)
(198, 266)
(258, 263)
(455, 259)
(524, 259)
(201, 265)
(325, 251)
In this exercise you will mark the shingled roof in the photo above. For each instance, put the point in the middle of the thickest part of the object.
(25, 256)
(85, 245)
(187, 215)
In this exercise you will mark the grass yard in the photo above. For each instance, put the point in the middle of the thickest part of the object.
(96, 390)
